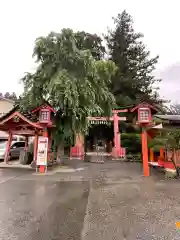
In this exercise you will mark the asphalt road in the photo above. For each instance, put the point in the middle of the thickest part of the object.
(105, 201)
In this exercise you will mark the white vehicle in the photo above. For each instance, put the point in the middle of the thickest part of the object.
(16, 148)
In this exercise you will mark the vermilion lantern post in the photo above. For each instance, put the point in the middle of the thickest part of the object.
(45, 111)
(144, 119)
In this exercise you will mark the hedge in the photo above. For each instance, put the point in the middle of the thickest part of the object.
(132, 142)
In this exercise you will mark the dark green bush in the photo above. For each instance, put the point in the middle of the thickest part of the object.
(132, 142)
(156, 143)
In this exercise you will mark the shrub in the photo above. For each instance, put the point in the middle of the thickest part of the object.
(132, 142)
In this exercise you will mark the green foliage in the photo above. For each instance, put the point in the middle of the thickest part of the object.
(134, 80)
(173, 139)
(157, 143)
(74, 77)
(91, 42)
(132, 142)
(71, 80)
(170, 137)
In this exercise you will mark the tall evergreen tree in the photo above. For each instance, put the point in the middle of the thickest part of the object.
(134, 80)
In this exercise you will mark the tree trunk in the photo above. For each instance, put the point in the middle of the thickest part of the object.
(60, 154)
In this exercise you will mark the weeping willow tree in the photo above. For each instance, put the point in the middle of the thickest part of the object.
(71, 80)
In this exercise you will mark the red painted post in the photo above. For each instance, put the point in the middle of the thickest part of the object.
(116, 135)
(118, 141)
(151, 155)
(115, 118)
(8, 146)
(161, 153)
(145, 153)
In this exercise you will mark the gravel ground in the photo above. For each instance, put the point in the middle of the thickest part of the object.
(122, 204)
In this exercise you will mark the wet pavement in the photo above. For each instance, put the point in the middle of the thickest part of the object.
(35, 209)
(103, 201)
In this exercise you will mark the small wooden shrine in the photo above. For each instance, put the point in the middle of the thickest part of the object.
(32, 123)
(168, 158)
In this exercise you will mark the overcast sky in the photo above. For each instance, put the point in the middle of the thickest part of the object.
(22, 21)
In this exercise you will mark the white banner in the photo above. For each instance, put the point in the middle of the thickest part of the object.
(42, 151)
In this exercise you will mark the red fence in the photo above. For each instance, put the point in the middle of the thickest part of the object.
(168, 163)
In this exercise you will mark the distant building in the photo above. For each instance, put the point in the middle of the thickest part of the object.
(5, 106)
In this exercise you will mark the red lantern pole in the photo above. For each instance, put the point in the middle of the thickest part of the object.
(145, 153)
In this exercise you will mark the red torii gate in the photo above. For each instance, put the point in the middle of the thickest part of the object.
(78, 150)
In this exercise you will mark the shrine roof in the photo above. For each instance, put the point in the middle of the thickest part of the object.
(27, 114)
(153, 107)
(44, 104)
(168, 117)
(25, 122)
(15, 118)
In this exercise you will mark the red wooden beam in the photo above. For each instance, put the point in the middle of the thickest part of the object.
(23, 132)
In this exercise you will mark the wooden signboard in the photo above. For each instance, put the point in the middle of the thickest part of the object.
(42, 151)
